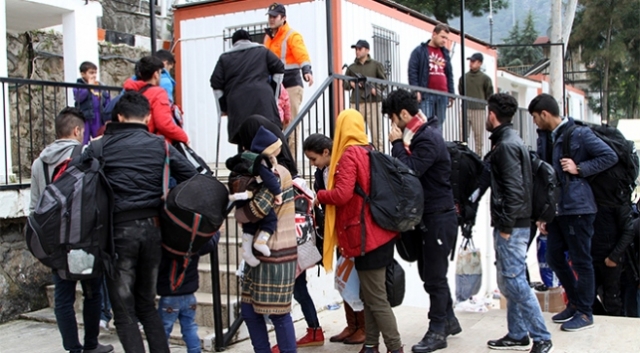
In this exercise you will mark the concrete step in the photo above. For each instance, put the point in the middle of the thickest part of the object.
(204, 313)
(228, 251)
(206, 334)
(229, 282)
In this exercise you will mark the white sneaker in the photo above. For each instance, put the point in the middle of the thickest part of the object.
(104, 325)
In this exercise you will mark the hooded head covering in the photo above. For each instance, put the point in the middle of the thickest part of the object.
(349, 132)
(248, 131)
(265, 142)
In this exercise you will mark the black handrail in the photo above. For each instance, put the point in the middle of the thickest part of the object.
(24, 81)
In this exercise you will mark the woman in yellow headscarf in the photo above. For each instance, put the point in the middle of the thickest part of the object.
(357, 235)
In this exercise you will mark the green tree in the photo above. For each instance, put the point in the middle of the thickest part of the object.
(521, 56)
(609, 42)
(444, 10)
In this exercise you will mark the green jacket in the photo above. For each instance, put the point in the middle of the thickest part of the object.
(478, 86)
(370, 68)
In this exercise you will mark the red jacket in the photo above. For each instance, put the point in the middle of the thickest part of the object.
(161, 122)
(354, 166)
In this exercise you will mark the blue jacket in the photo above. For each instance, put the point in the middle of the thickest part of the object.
(590, 153)
(167, 83)
(430, 160)
(419, 67)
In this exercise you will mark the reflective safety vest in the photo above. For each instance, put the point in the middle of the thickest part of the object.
(289, 46)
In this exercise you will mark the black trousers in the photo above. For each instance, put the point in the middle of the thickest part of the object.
(438, 236)
(608, 299)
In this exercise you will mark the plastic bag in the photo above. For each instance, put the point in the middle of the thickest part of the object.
(548, 277)
(468, 271)
(348, 283)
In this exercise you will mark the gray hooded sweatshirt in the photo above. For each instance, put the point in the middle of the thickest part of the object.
(52, 155)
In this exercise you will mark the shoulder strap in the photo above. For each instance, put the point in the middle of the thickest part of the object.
(45, 168)
(77, 150)
(165, 173)
(97, 146)
(566, 143)
(145, 88)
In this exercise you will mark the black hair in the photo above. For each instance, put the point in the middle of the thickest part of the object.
(165, 55)
(148, 66)
(398, 100)
(545, 102)
(68, 119)
(240, 34)
(317, 143)
(131, 105)
(504, 106)
(87, 65)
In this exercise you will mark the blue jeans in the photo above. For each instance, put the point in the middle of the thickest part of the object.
(573, 234)
(64, 298)
(523, 311)
(106, 314)
(435, 105)
(183, 308)
(301, 295)
(285, 333)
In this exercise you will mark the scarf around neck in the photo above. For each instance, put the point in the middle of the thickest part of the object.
(412, 127)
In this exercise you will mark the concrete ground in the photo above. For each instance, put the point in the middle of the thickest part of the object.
(610, 334)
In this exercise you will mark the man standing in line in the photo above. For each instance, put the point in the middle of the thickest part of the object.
(289, 46)
(419, 144)
(511, 185)
(478, 86)
(430, 67)
(370, 95)
(572, 228)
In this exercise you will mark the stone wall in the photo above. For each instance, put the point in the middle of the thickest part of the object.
(127, 16)
(37, 55)
(22, 277)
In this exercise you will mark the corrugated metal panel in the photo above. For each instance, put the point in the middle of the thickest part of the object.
(199, 57)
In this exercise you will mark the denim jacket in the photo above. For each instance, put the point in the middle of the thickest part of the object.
(590, 153)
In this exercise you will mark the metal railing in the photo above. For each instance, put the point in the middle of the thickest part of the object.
(29, 111)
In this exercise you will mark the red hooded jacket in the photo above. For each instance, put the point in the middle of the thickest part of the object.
(161, 122)
(354, 166)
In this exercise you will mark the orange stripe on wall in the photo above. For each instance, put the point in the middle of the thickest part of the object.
(336, 43)
(416, 22)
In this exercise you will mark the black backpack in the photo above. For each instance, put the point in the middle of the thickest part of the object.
(71, 230)
(545, 190)
(395, 283)
(396, 198)
(107, 112)
(613, 186)
(466, 169)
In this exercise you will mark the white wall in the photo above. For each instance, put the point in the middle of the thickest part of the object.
(199, 57)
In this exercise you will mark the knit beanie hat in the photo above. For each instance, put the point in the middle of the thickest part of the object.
(265, 142)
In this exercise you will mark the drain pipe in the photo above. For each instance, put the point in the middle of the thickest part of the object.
(332, 86)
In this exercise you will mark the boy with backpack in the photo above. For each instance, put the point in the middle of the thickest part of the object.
(418, 143)
(259, 162)
(91, 103)
(166, 81)
(134, 165)
(69, 127)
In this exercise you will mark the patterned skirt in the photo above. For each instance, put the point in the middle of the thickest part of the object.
(269, 287)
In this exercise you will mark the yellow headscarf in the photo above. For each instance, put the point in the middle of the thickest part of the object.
(349, 132)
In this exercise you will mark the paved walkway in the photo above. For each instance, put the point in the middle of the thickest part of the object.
(619, 335)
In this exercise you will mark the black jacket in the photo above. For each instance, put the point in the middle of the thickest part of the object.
(511, 180)
(191, 281)
(134, 165)
(430, 159)
(612, 233)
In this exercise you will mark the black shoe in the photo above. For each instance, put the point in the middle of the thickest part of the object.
(431, 342)
(508, 343)
(452, 327)
(542, 347)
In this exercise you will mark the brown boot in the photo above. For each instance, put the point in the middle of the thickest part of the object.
(351, 325)
(358, 337)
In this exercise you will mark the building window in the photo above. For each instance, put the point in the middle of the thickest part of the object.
(385, 50)
(256, 33)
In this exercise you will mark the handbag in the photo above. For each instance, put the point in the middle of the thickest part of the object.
(468, 271)
(395, 283)
(347, 283)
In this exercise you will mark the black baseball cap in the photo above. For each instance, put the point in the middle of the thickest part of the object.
(476, 57)
(361, 44)
(276, 9)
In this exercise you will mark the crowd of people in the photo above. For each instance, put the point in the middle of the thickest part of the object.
(260, 88)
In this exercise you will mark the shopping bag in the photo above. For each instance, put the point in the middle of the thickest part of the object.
(468, 271)
(348, 283)
(548, 277)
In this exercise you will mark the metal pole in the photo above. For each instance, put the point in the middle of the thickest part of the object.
(491, 22)
(564, 86)
(332, 87)
(217, 299)
(152, 25)
(464, 81)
